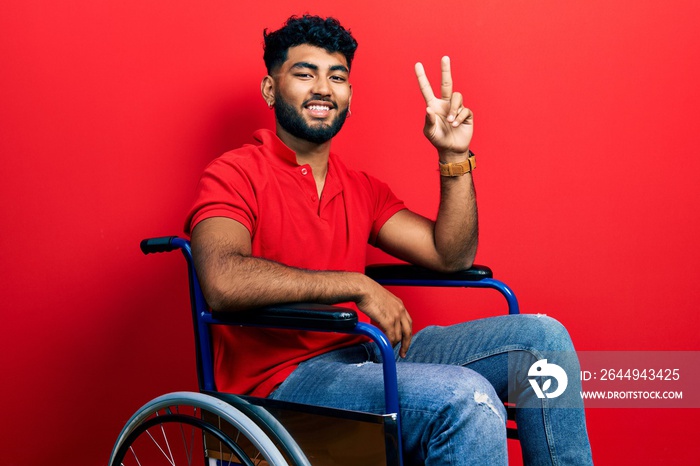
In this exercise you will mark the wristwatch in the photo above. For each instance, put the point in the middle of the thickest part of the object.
(458, 168)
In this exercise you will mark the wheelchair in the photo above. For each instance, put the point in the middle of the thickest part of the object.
(219, 429)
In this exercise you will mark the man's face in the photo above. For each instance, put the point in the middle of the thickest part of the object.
(312, 93)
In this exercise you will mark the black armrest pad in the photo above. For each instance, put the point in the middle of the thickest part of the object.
(308, 316)
(382, 272)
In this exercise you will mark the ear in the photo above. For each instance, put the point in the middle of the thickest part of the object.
(267, 89)
(350, 97)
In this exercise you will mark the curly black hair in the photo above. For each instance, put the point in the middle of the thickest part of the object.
(326, 33)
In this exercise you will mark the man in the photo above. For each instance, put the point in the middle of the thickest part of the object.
(287, 221)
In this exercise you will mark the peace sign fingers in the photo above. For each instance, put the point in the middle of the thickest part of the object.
(445, 84)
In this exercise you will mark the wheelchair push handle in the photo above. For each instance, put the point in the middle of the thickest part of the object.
(162, 244)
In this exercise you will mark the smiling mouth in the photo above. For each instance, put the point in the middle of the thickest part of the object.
(320, 110)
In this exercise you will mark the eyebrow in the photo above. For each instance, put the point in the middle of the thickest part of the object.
(311, 66)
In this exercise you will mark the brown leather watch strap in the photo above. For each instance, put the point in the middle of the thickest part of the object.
(458, 168)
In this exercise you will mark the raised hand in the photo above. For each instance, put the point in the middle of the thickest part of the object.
(449, 125)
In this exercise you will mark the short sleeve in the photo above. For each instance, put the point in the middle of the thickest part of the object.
(224, 190)
(386, 204)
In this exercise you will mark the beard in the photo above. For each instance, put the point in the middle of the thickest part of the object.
(292, 121)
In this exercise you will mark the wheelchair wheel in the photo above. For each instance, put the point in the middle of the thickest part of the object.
(187, 428)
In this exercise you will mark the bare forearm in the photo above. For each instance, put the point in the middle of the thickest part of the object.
(242, 282)
(457, 224)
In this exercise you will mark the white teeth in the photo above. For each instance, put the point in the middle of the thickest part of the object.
(318, 107)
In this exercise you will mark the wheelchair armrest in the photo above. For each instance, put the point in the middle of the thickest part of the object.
(478, 276)
(384, 272)
(307, 316)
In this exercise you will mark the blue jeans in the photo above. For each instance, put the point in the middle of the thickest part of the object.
(451, 385)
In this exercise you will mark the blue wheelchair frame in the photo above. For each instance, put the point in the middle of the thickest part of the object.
(322, 318)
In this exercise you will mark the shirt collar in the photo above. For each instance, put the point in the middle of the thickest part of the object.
(274, 147)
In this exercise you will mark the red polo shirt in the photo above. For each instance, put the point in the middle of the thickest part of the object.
(263, 188)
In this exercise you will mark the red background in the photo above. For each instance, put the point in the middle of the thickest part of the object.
(586, 117)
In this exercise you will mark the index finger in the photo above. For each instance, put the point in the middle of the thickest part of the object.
(446, 74)
(423, 83)
(405, 344)
(406, 334)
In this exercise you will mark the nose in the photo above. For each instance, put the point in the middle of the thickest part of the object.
(322, 87)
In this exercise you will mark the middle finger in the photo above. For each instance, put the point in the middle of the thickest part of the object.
(446, 76)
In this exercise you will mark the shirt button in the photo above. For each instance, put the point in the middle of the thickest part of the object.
(304, 171)
(314, 198)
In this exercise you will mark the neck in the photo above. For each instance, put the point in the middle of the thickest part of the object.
(309, 153)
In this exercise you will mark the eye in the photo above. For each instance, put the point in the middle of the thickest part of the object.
(338, 79)
(303, 75)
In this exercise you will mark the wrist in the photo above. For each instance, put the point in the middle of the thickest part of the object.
(448, 156)
(457, 167)
(358, 285)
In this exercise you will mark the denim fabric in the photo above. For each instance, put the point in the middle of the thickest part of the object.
(451, 387)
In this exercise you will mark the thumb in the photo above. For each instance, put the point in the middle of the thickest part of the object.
(430, 117)
(430, 127)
